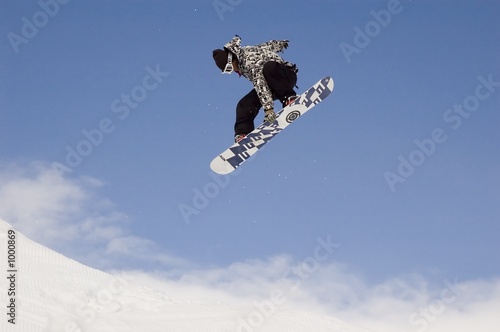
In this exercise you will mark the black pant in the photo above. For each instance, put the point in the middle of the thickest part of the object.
(281, 80)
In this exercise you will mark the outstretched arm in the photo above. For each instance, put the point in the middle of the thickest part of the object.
(275, 45)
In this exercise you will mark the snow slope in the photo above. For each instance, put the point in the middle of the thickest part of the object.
(54, 293)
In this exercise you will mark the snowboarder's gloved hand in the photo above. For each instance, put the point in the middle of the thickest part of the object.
(270, 115)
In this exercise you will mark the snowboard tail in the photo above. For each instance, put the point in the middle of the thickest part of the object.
(239, 152)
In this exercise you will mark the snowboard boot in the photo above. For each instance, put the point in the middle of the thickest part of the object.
(288, 100)
(239, 137)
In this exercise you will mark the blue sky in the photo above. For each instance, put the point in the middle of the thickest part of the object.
(416, 101)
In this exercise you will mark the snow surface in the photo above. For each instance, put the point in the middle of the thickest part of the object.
(54, 293)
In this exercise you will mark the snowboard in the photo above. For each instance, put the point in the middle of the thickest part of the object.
(239, 152)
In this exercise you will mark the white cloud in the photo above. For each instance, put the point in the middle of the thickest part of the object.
(141, 248)
(37, 201)
(401, 304)
(66, 214)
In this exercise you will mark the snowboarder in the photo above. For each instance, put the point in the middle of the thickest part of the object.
(272, 77)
